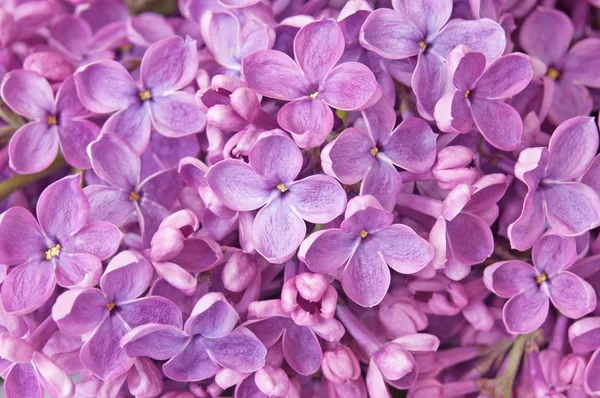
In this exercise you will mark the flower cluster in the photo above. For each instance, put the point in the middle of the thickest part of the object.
(299, 198)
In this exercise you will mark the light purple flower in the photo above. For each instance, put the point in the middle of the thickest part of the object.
(572, 71)
(54, 120)
(27, 371)
(267, 183)
(554, 194)
(117, 163)
(62, 248)
(531, 289)
(176, 253)
(111, 311)
(476, 98)
(312, 83)
(421, 27)
(584, 336)
(210, 341)
(360, 251)
(167, 67)
(371, 156)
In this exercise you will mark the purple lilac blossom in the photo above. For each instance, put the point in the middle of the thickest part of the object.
(299, 198)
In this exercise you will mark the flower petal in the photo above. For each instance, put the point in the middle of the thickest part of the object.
(571, 295)
(573, 146)
(549, 45)
(212, 317)
(411, 145)
(102, 354)
(470, 237)
(80, 311)
(27, 287)
(100, 239)
(105, 87)
(62, 208)
(429, 82)
(191, 364)
(301, 349)
(56, 382)
(326, 251)
(20, 236)
(127, 276)
(581, 62)
(317, 199)
(317, 47)
(349, 86)
(155, 341)
(390, 34)
(177, 115)
(21, 381)
(115, 161)
(509, 278)
(237, 185)
(240, 351)
(221, 33)
(311, 118)
(506, 77)
(133, 123)
(150, 310)
(277, 231)
(569, 100)
(428, 15)
(526, 312)
(383, 182)
(28, 94)
(273, 74)
(33, 148)
(366, 278)
(498, 122)
(347, 158)
(571, 208)
(80, 270)
(553, 253)
(75, 136)
(169, 65)
(452, 113)
(481, 35)
(109, 204)
(402, 249)
(276, 158)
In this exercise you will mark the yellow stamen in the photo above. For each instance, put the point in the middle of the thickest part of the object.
(314, 95)
(553, 73)
(281, 187)
(363, 234)
(541, 278)
(134, 196)
(145, 95)
(52, 121)
(374, 151)
(422, 45)
(467, 93)
(125, 48)
(204, 277)
(53, 252)
(110, 306)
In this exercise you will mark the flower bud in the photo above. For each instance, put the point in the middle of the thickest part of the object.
(452, 167)
(340, 365)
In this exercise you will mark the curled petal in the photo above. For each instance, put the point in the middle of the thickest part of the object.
(526, 312)
(572, 295)
(169, 65)
(317, 198)
(349, 86)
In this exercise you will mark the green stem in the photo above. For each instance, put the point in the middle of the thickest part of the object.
(18, 181)
(516, 354)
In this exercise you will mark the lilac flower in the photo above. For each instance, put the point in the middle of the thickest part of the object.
(370, 156)
(208, 342)
(167, 67)
(477, 95)
(584, 336)
(311, 82)
(554, 194)
(267, 182)
(111, 311)
(27, 371)
(62, 248)
(360, 251)
(54, 121)
(175, 252)
(530, 289)
(461, 234)
(124, 194)
(309, 298)
(421, 28)
(230, 41)
(572, 71)
(276, 328)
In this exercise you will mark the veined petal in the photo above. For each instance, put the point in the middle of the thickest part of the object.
(571, 207)
(411, 145)
(428, 15)
(277, 231)
(75, 136)
(21, 237)
(317, 198)
(383, 182)
(177, 115)
(553, 253)
(347, 158)
(109, 204)
(105, 87)
(526, 312)
(100, 239)
(33, 148)
(572, 295)
(430, 82)
(402, 249)
(509, 278)
(240, 351)
(506, 77)
(191, 364)
(28, 94)
(115, 161)
(127, 276)
(549, 45)
(276, 158)
(133, 123)
(366, 278)
(349, 86)
(79, 311)
(301, 349)
(237, 185)
(169, 65)
(27, 287)
(155, 341)
(317, 47)
(499, 123)
(328, 250)
(311, 118)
